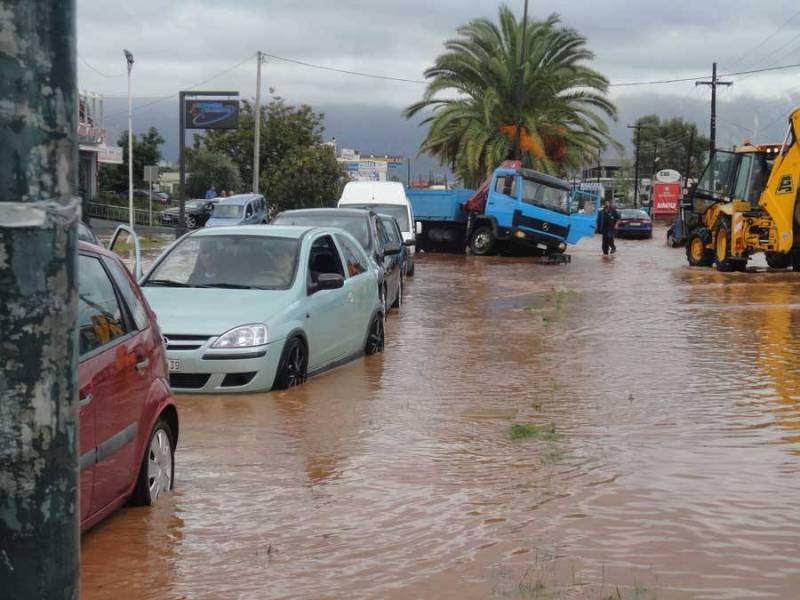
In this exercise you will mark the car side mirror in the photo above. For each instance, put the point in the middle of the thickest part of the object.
(410, 243)
(392, 249)
(328, 281)
(418, 227)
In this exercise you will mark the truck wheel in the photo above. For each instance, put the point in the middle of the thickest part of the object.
(722, 248)
(778, 260)
(483, 241)
(696, 252)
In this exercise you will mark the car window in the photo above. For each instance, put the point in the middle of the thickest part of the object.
(323, 258)
(354, 257)
(383, 236)
(355, 225)
(135, 306)
(100, 317)
(391, 231)
(249, 212)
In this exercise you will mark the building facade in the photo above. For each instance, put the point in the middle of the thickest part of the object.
(93, 149)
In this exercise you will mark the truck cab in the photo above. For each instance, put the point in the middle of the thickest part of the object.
(523, 206)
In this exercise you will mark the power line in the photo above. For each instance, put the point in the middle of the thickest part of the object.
(187, 88)
(765, 40)
(685, 79)
(344, 71)
(98, 71)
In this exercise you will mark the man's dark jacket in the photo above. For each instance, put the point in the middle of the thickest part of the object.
(606, 220)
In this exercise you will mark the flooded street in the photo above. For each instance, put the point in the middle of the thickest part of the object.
(614, 428)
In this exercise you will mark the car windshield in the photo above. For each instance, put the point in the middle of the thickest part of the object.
(633, 214)
(355, 225)
(228, 211)
(398, 211)
(228, 261)
(538, 194)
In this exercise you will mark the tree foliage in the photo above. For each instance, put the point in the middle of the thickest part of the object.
(207, 168)
(297, 171)
(668, 141)
(473, 98)
(146, 151)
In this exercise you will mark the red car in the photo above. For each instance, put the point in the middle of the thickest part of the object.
(128, 419)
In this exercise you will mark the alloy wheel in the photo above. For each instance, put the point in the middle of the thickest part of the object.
(159, 465)
(296, 365)
(375, 338)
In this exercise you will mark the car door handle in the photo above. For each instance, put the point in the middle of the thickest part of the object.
(85, 399)
(142, 365)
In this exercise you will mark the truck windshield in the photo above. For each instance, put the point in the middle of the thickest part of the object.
(540, 195)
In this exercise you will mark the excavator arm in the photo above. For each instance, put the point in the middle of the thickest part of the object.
(780, 195)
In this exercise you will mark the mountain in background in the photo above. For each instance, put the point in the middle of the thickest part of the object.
(383, 130)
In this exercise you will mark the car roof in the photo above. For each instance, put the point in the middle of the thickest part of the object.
(374, 192)
(239, 199)
(284, 231)
(356, 212)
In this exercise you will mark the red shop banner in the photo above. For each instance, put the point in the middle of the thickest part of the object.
(667, 197)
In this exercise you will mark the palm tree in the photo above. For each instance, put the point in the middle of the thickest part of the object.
(473, 98)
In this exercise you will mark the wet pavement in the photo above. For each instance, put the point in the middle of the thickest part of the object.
(655, 453)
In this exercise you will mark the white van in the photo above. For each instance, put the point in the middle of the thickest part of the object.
(385, 198)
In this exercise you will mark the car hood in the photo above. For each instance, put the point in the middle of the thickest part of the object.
(199, 311)
(218, 222)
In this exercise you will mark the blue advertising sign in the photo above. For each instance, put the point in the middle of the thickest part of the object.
(212, 114)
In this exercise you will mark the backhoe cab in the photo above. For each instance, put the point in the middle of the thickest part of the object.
(746, 202)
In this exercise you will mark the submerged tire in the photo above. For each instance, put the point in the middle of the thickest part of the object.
(375, 336)
(293, 366)
(157, 471)
(483, 241)
(778, 260)
(722, 249)
(696, 252)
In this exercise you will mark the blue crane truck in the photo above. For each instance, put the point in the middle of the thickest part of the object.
(515, 207)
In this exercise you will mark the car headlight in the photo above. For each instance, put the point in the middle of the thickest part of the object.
(244, 336)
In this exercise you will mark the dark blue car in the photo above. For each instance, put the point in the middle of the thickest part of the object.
(634, 223)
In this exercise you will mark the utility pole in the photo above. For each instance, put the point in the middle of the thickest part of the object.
(408, 169)
(257, 115)
(713, 84)
(39, 512)
(520, 81)
(689, 157)
(638, 129)
(129, 60)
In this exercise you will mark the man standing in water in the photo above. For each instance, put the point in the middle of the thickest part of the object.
(606, 221)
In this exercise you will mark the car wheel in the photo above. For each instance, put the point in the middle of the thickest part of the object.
(411, 270)
(375, 336)
(293, 366)
(482, 242)
(191, 222)
(157, 472)
(398, 302)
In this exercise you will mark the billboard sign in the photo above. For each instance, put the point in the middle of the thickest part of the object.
(666, 198)
(212, 114)
(668, 176)
(110, 155)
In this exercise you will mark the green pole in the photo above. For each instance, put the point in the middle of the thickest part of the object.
(39, 516)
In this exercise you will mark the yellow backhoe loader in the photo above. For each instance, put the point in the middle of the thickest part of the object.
(747, 202)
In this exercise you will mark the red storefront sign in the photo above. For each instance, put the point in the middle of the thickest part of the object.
(666, 197)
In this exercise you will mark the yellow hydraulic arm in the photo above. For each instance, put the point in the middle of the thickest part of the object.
(781, 192)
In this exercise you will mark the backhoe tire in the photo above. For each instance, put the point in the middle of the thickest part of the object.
(696, 252)
(722, 248)
(795, 258)
(778, 260)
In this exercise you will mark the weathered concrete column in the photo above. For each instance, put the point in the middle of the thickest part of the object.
(39, 537)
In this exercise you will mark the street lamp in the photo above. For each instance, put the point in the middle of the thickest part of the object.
(129, 58)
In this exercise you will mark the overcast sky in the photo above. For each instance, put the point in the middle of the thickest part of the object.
(181, 43)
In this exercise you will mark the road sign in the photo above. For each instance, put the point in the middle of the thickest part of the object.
(151, 174)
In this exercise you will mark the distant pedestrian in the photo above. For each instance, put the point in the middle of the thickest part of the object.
(211, 193)
(606, 221)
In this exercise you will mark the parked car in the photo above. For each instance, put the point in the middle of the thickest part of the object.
(128, 419)
(86, 234)
(249, 308)
(384, 197)
(243, 209)
(196, 213)
(366, 227)
(634, 222)
(162, 197)
(401, 260)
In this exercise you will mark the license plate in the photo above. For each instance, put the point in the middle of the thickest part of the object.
(175, 366)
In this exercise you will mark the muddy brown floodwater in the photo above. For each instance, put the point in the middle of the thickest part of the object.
(662, 461)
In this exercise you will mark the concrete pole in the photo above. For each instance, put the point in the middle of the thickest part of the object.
(39, 514)
(257, 124)
(129, 60)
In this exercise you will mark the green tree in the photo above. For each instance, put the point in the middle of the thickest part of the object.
(296, 170)
(668, 141)
(473, 96)
(207, 168)
(146, 151)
